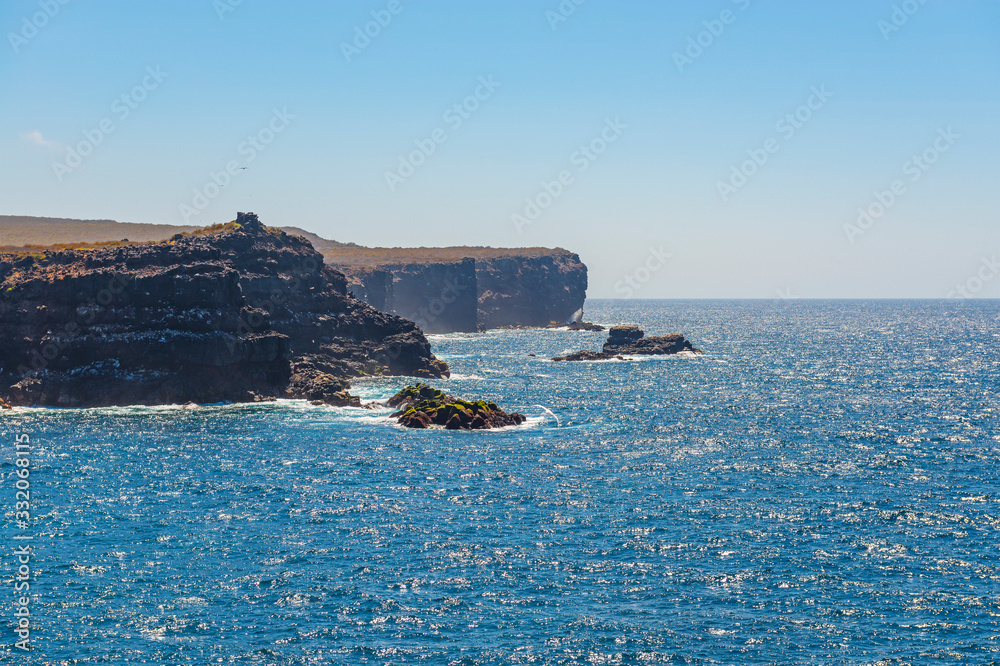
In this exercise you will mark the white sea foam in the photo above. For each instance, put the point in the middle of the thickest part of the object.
(443, 337)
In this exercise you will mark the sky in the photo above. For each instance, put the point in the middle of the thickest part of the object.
(684, 149)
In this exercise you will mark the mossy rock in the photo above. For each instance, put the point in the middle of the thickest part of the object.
(432, 406)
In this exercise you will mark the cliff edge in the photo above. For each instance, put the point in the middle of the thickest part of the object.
(463, 288)
(237, 312)
(443, 290)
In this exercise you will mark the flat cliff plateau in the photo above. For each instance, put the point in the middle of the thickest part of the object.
(238, 312)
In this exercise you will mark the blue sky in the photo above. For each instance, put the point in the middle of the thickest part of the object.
(619, 99)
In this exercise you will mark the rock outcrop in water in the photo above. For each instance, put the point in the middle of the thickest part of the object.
(234, 313)
(422, 406)
(587, 355)
(631, 340)
(578, 326)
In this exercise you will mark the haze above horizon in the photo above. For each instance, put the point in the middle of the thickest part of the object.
(722, 149)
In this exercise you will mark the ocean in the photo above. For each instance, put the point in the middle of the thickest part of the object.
(820, 487)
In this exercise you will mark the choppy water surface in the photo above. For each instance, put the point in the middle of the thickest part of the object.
(820, 487)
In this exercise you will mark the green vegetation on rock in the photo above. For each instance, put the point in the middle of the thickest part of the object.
(422, 406)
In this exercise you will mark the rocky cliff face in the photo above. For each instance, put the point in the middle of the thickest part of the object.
(238, 313)
(529, 287)
(439, 297)
(530, 291)
(434, 286)
(371, 285)
(488, 291)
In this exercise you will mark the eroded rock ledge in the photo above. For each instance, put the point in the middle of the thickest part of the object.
(422, 406)
(234, 313)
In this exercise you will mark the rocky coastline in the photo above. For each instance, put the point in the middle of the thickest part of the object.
(241, 312)
(438, 297)
(234, 313)
(442, 290)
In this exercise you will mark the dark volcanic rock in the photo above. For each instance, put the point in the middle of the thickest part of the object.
(578, 326)
(484, 289)
(587, 355)
(237, 312)
(371, 285)
(584, 326)
(624, 335)
(476, 292)
(441, 289)
(530, 291)
(440, 297)
(422, 406)
(632, 340)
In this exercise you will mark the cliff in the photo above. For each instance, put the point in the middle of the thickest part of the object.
(235, 313)
(530, 291)
(529, 287)
(438, 297)
(441, 289)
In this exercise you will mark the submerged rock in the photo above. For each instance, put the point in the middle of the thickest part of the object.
(422, 406)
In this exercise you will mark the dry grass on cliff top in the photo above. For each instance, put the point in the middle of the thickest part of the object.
(37, 235)
(18, 233)
(349, 254)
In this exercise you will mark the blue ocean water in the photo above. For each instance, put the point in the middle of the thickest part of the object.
(820, 487)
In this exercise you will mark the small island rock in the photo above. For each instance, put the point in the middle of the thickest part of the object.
(587, 355)
(422, 406)
(632, 340)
